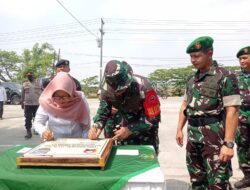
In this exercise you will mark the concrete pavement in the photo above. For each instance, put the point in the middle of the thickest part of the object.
(171, 157)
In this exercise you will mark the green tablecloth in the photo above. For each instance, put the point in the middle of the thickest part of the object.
(118, 171)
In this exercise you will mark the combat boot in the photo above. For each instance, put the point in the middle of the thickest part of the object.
(243, 183)
(28, 135)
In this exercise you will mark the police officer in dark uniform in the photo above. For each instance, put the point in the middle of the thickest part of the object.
(243, 132)
(210, 106)
(31, 90)
(136, 102)
(62, 66)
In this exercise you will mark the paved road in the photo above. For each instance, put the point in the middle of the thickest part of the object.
(171, 157)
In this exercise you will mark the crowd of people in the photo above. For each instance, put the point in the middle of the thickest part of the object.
(216, 108)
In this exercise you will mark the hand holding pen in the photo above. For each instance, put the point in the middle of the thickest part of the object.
(48, 135)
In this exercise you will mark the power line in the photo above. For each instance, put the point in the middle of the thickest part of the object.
(77, 19)
(177, 59)
(65, 31)
(164, 22)
(167, 27)
(51, 28)
(170, 28)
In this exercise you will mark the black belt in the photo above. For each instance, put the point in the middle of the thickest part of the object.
(202, 120)
(245, 107)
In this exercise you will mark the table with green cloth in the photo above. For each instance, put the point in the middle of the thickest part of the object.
(119, 170)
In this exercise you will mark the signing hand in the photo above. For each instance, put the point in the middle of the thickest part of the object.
(122, 134)
(48, 135)
(94, 132)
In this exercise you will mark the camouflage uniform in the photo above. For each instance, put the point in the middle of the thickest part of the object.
(243, 131)
(138, 107)
(112, 124)
(205, 96)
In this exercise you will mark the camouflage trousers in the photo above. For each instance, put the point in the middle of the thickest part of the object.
(243, 147)
(206, 171)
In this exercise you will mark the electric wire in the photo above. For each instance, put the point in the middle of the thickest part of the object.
(77, 19)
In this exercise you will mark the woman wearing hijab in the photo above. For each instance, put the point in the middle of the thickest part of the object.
(63, 111)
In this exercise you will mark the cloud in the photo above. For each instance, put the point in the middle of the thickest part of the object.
(26, 9)
(178, 9)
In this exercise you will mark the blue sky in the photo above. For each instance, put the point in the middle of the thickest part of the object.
(148, 34)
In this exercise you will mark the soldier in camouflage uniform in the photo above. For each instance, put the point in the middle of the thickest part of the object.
(135, 99)
(243, 132)
(210, 106)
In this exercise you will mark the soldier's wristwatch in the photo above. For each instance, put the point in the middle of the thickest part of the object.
(228, 144)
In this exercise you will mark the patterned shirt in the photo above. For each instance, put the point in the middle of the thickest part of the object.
(207, 94)
(139, 106)
(244, 87)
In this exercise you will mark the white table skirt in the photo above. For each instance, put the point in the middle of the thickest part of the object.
(149, 180)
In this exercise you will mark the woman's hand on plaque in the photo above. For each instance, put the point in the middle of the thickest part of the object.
(48, 135)
(94, 132)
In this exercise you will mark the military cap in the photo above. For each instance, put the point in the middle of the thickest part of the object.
(199, 44)
(117, 76)
(243, 51)
(62, 62)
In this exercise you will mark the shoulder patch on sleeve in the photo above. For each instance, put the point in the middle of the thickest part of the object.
(151, 104)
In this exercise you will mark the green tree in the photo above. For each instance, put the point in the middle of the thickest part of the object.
(39, 59)
(10, 65)
(90, 86)
(233, 68)
(172, 81)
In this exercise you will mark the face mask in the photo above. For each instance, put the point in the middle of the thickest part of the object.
(30, 78)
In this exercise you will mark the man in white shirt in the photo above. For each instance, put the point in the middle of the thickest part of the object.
(3, 98)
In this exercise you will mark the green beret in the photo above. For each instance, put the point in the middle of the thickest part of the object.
(243, 51)
(199, 44)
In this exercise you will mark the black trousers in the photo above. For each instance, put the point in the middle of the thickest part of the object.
(29, 114)
(1, 109)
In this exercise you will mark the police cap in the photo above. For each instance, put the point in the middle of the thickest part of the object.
(62, 62)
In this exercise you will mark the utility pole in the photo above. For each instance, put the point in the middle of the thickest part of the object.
(59, 52)
(53, 64)
(100, 45)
